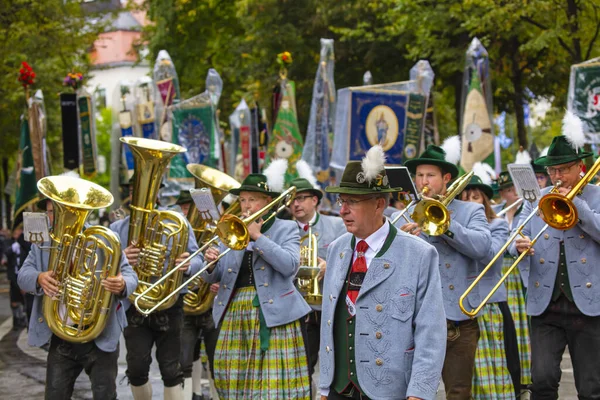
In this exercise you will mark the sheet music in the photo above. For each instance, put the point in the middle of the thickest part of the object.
(205, 203)
(525, 181)
(35, 227)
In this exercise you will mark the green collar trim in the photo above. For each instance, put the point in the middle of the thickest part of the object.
(267, 225)
(386, 245)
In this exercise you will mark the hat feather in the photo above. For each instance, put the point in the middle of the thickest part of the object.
(373, 163)
(485, 172)
(306, 172)
(275, 174)
(523, 157)
(452, 148)
(544, 151)
(572, 130)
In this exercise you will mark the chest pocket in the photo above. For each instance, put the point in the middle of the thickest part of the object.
(579, 240)
(403, 304)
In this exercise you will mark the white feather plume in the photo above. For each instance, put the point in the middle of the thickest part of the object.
(275, 174)
(544, 151)
(523, 157)
(572, 129)
(70, 174)
(373, 163)
(452, 148)
(485, 172)
(306, 172)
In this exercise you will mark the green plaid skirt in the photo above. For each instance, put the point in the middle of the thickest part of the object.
(517, 305)
(491, 378)
(242, 371)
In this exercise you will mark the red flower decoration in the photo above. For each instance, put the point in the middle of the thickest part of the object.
(26, 75)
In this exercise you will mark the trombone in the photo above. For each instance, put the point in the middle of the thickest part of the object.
(512, 238)
(432, 215)
(233, 233)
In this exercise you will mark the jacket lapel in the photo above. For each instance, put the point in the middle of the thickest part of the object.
(341, 266)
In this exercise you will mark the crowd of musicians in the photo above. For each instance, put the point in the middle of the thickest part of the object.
(389, 324)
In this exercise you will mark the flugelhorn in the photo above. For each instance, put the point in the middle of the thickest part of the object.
(155, 232)
(199, 298)
(511, 239)
(308, 283)
(80, 259)
(232, 231)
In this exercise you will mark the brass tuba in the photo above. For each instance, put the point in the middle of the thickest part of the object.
(199, 298)
(308, 283)
(80, 259)
(154, 231)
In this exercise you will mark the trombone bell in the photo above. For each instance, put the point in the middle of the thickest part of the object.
(559, 212)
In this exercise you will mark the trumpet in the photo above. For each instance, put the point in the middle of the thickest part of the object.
(232, 231)
(511, 239)
(308, 284)
(432, 215)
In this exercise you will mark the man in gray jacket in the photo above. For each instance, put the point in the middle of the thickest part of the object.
(466, 241)
(383, 330)
(66, 360)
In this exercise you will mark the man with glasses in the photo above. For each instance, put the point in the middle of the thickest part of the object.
(326, 229)
(563, 296)
(383, 331)
(460, 248)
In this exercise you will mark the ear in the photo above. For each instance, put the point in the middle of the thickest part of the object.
(447, 177)
(381, 203)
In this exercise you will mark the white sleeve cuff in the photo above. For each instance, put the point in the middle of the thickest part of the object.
(324, 392)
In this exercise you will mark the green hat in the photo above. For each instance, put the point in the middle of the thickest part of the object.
(433, 155)
(538, 169)
(477, 183)
(561, 152)
(354, 182)
(504, 180)
(303, 185)
(184, 197)
(254, 183)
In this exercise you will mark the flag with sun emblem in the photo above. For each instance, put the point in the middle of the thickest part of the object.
(286, 141)
(477, 136)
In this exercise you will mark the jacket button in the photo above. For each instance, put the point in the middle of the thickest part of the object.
(537, 284)
(270, 301)
(588, 285)
(328, 322)
(262, 268)
(542, 261)
(379, 361)
(351, 373)
(546, 236)
(327, 349)
(266, 284)
(40, 319)
(447, 265)
(260, 252)
(451, 287)
(379, 308)
(230, 270)
(330, 297)
(220, 303)
(341, 255)
(378, 335)
(581, 236)
(583, 260)
(224, 286)
(386, 266)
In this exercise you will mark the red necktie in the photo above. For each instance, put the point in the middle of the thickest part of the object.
(359, 265)
(305, 228)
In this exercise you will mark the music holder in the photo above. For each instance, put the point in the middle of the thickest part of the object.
(525, 181)
(399, 177)
(35, 227)
(205, 203)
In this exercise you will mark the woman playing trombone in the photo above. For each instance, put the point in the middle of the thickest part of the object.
(260, 351)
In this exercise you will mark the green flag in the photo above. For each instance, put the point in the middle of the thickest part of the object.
(286, 141)
(26, 192)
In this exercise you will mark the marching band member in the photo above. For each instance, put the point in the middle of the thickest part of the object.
(466, 242)
(66, 360)
(382, 328)
(493, 377)
(326, 228)
(516, 283)
(196, 328)
(540, 174)
(260, 351)
(161, 328)
(564, 282)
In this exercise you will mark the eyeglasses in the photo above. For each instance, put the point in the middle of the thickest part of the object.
(351, 203)
(562, 170)
(301, 199)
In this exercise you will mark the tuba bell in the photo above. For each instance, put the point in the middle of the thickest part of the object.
(199, 298)
(154, 231)
(80, 259)
(308, 283)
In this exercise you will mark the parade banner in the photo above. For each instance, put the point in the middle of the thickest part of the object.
(423, 77)
(477, 137)
(319, 135)
(144, 108)
(70, 130)
(124, 102)
(192, 128)
(26, 182)
(584, 97)
(259, 137)
(240, 162)
(88, 137)
(36, 116)
(166, 92)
